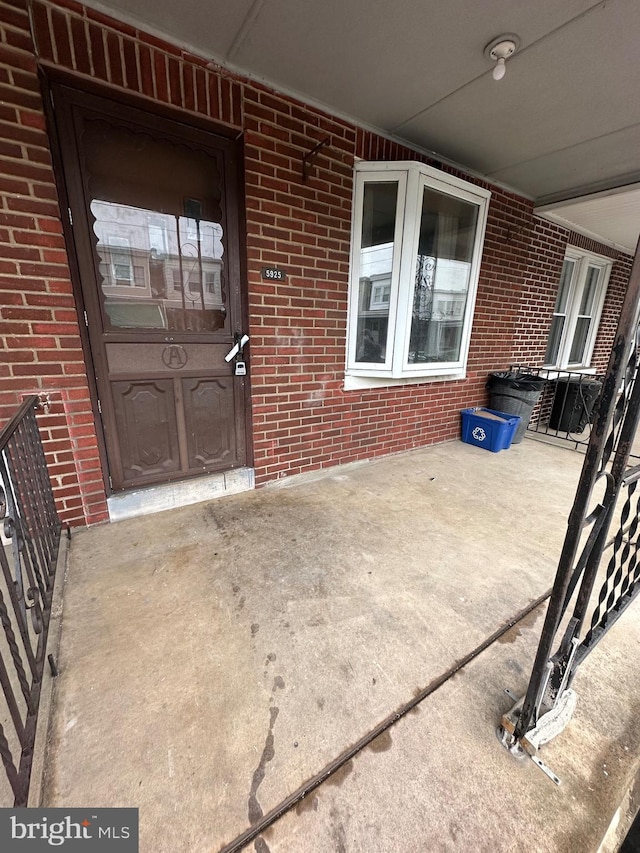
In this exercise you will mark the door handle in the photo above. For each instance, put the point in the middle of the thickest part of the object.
(236, 349)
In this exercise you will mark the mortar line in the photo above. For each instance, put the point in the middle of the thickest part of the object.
(314, 782)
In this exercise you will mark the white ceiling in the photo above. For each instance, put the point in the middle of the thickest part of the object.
(564, 122)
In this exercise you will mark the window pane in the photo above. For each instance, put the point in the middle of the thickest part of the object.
(560, 311)
(563, 287)
(589, 292)
(376, 263)
(555, 336)
(576, 356)
(443, 269)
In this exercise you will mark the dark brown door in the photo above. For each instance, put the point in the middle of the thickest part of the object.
(154, 208)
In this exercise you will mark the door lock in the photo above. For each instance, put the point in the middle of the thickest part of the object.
(239, 343)
(240, 366)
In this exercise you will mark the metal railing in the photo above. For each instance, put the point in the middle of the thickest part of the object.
(598, 576)
(567, 405)
(29, 545)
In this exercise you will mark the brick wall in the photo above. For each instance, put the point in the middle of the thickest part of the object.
(302, 417)
(40, 349)
(548, 243)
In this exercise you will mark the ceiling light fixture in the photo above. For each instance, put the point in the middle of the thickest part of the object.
(499, 50)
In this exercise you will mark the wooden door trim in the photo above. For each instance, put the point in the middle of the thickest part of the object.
(74, 270)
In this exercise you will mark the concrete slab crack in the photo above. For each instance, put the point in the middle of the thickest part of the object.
(255, 810)
(260, 822)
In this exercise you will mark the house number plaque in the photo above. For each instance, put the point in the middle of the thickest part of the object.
(273, 274)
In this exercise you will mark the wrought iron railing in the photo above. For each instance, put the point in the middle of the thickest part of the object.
(29, 545)
(567, 404)
(598, 575)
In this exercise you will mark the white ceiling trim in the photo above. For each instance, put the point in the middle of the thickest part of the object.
(583, 213)
(572, 226)
(573, 199)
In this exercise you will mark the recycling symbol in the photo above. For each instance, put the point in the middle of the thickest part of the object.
(479, 434)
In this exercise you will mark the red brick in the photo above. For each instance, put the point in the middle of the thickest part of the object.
(62, 40)
(160, 75)
(201, 91)
(130, 64)
(214, 95)
(35, 238)
(114, 56)
(15, 16)
(188, 86)
(98, 54)
(17, 59)
(175, 83)
(80, 46)
(146, 71)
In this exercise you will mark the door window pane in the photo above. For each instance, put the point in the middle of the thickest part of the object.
(442, 277)
(376, 263)
(159, 237)
(146, 288)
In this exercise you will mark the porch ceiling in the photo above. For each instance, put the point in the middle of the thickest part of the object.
(563, 123)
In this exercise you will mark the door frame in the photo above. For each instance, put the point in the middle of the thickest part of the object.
(51, 78)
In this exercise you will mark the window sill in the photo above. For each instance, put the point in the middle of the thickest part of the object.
(359, 382)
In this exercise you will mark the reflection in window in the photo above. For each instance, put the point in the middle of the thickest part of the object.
(376, 262)
(443, 270)
(153, 265)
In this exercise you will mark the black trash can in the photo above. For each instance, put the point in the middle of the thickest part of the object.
(574, 403)
(515, 394)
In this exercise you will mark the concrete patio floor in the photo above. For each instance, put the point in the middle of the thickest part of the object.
(216, 657)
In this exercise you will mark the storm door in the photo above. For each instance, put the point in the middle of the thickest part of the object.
(154, 210)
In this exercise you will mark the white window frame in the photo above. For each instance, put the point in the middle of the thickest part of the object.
(582, 261)
(411, 178)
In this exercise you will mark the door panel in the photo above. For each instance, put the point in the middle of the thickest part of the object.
(155, 225)
(147, 428)
(209, 402)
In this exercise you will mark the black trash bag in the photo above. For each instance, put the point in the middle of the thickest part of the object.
(574, 404)
(516, 381)
(515, 394)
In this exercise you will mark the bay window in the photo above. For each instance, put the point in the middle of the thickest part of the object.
(416, 248)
